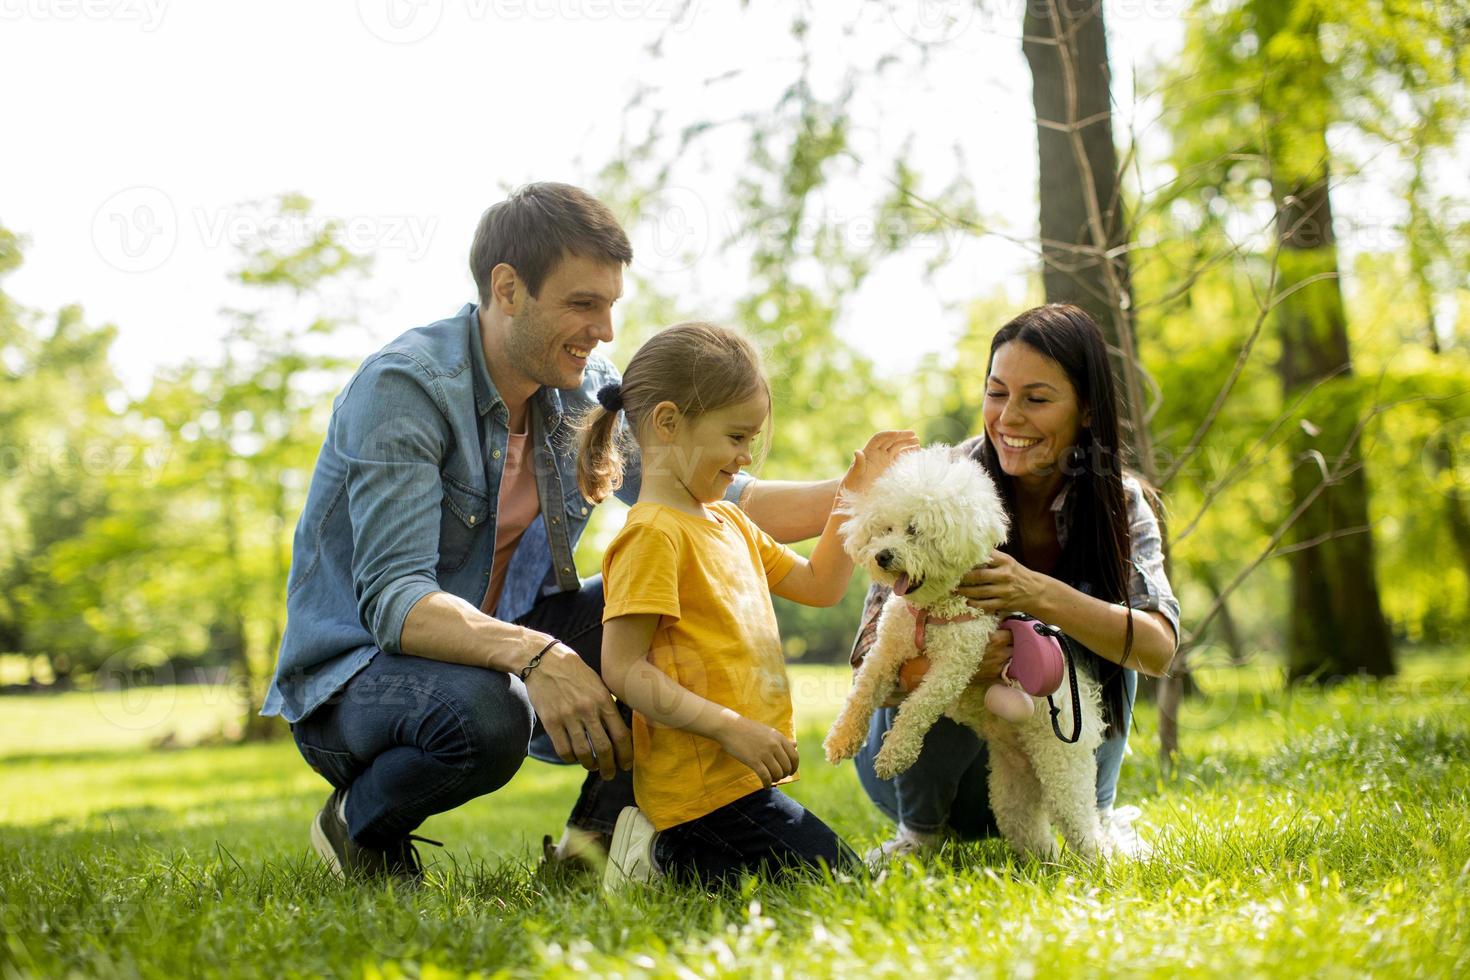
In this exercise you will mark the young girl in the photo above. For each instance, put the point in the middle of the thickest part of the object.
(689, 639)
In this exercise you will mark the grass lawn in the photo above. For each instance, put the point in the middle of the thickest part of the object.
(1314, 833)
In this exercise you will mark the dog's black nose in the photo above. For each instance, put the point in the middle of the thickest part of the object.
(885, 558)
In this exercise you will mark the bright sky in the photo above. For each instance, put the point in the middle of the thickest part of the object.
(135, 129)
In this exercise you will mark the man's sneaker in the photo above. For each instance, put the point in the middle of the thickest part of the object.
(630, 858)
(348, 859)
(905, 843)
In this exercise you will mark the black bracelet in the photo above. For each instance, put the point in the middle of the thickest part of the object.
(525, 671)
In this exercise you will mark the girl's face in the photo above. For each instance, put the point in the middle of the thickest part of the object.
(1032, 415)
(707, 451)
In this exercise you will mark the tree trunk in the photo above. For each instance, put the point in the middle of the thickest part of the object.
(1337, 627)
(1070, 275)
(1081, 212)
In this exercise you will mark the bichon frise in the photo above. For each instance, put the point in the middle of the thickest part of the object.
(930, 518)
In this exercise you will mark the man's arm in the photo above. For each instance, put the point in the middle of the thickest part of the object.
(392, 435)
(444, 627)
(789, 511)
(821, 580)
(570, 700)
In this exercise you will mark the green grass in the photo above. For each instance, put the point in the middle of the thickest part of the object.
(1313, 833)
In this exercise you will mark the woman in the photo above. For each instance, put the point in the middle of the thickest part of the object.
(1084, 553)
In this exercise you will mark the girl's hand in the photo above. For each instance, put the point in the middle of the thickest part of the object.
(769, 754)
(869, 462)
(1003, 585)
(997, 652)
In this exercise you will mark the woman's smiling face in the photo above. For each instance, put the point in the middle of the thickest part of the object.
(1032, 415)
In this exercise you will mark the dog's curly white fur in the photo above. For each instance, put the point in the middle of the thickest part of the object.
(930, 518)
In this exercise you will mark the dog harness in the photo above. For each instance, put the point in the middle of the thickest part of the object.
(922, 619)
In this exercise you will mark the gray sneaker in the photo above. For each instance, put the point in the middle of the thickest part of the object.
(349, 860)
(630, 858)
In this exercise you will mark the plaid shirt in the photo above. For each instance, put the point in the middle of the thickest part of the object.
(1148, 586)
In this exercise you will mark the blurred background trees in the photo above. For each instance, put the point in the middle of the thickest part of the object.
(1296, 375)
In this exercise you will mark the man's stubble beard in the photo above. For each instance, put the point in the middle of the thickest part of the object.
(532, 349)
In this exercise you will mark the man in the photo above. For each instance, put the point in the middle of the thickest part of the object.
(436, 628)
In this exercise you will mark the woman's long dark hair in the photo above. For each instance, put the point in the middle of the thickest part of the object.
(1098, 552)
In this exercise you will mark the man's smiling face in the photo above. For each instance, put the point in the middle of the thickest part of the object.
(552, 334)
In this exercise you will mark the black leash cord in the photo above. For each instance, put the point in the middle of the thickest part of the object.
(1076, 699)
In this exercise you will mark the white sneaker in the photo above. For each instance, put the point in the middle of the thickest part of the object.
(1120, 834)
(905, 842)
(630, 858)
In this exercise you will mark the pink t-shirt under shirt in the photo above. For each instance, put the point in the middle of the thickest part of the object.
(515, 510)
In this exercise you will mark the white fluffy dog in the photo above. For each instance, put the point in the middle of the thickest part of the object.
(930, 518)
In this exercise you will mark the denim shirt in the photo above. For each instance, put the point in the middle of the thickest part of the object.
(402, 504)
(1148, 586)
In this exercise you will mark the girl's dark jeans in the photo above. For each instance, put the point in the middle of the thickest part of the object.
(764, 832)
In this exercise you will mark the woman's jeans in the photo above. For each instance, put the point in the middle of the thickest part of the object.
(948, 786)
(765, 831)
(409, 737)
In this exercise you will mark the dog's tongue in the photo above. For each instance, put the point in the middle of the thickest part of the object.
(901, 585)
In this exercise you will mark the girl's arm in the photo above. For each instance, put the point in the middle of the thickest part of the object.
(821, 580)
(659, 698)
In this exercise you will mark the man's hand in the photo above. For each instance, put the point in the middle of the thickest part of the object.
(771, 755)
(577, 711)
(869, 462)
(997, 652)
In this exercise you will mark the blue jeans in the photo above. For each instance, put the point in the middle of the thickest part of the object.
(411, 737)
(948, 785)
(763, 832)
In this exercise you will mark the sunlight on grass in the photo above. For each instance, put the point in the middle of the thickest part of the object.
(1302, 833)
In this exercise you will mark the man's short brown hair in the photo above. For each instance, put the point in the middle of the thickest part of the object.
(539, 224)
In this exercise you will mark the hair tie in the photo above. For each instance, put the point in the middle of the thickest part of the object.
(610, 397)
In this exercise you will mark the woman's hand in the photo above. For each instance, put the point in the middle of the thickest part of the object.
(997, 652)
(1003, 585)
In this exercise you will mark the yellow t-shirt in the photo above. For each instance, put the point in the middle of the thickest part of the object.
(709, 581)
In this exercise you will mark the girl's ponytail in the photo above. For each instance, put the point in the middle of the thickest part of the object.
(599, 458)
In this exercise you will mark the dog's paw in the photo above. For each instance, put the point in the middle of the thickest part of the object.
(891, 761)
(840, 746)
